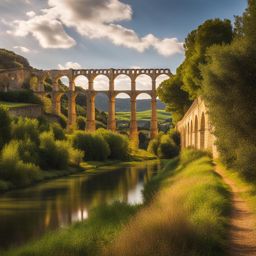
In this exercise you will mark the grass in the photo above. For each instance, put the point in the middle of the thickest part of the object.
(162, 115)
(86, 238)
(185, 214)
(187, 217)
(246, 188)
(14, 104)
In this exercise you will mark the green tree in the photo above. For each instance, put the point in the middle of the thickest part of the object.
(230, 92)
(5, 127)
(211, 32)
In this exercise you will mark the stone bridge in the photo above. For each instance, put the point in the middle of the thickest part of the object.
(17, 76)
(195, 128)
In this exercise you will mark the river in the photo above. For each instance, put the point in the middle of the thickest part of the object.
(29, 213)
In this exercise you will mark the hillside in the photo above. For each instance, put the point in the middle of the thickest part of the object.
(9, 60)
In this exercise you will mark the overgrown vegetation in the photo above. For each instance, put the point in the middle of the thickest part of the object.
(187, 217)
(165, 145)
(185, 214)
(230, 92)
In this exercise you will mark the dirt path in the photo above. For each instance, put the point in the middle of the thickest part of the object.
(242, 226)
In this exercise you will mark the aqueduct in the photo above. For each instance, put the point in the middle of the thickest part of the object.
(55, 75)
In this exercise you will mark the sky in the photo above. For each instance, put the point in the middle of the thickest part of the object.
(58, 34)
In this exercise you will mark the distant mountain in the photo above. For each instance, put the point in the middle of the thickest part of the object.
(9, 60)
(123, 105)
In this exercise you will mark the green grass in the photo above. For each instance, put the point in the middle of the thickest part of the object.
(246, 188)
(162, 115)
(187, 215)
(14, 104)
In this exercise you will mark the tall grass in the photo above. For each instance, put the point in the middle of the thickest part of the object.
(187, 217)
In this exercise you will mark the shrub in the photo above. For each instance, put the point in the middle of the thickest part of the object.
(81, 123)
(118, 144)
(94, 146)
(25, 96)
(25, 129)
(75, 156)
(167, 148)
(28, 151)
(15, 170)
(52, 154)
(58, 132)
(63, 121)
(5, 126)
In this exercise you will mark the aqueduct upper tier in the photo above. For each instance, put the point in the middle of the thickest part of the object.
(16, 79)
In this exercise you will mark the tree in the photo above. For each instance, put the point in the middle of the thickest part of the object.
(176, 100)
(230, 92)
(5, 127)
(211, 32)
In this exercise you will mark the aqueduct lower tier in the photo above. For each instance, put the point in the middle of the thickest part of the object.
(196, 130)
(16, 78)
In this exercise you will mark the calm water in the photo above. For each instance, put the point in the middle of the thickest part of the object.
(27, 214)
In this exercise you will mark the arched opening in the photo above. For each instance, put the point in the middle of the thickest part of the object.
(143, 115)
(191, 133)
(63, 83)
(101, 111)
(160, 79)
(143, 82)
(123, 112)
(101, 83)
(196, 132)
(81, 83)
(202, 132)
(122, 83)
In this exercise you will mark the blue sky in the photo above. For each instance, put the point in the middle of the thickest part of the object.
(105, 33)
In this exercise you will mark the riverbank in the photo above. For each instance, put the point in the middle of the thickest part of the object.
(44, 176)
(185, 213)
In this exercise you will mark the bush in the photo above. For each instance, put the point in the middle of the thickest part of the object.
(28, 151)
(81, 123)
(25, 96)
(164, 145)
(63, 121)
(15, 170)
(75, 156)
(5, 127)
(118, 144)
(58, 132)
(25, 129)
(167, 148)
(94, 146)
(52, 154)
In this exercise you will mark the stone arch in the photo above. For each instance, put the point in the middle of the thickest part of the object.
(123, 119)
(196, 132)
(161, 78)
(101, 82)
(143, 82)
(63, 83)
(143, 95)
(202, 131)
(122, 82)
(81, 81)
(34, 83)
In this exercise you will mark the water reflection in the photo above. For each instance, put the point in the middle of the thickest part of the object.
(29, 213)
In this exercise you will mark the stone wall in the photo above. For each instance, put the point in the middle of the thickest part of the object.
(196, 130)
(31, 111)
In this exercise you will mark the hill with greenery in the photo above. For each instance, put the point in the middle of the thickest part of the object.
(9, 60)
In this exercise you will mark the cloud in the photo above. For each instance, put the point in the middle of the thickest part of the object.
(31, 14)
(22, 48)
(95, 19)
(70, 64)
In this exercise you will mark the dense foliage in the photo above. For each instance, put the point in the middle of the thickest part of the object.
(186, 85)
(165, 145)
(9, 60)
(230, 92)
(5, 127)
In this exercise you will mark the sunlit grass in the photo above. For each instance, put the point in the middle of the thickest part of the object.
(143, 115)
(187, 217)
(14, 104)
